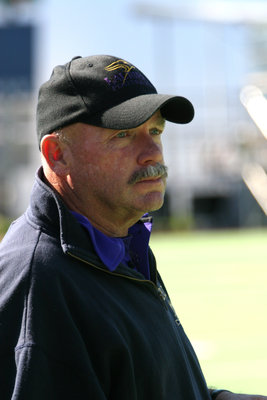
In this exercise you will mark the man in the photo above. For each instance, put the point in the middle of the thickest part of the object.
(84, 312)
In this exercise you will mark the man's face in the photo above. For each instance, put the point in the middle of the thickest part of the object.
(105, 162)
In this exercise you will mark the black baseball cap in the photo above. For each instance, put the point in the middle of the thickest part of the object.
(104, 91)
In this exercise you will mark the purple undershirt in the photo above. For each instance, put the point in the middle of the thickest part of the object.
(131, 250)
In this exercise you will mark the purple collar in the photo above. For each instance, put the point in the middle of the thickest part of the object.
(131, 250)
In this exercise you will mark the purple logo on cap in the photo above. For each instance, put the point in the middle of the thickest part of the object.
(128, 76)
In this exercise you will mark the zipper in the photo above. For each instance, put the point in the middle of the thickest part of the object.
(111, 273)
(177, 321)
(159, 289)
(163, 295)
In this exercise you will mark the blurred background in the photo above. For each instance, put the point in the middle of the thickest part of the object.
(214, 53)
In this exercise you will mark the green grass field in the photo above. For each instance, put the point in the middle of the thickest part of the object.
(217, 282)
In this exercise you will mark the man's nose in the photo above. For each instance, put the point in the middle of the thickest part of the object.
(150, 151)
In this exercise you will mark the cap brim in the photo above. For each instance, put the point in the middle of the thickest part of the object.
(135, 111)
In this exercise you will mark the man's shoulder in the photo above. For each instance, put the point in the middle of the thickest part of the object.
(19, 235)
(23, 243)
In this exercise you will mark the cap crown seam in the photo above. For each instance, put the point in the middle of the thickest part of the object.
(72, 81)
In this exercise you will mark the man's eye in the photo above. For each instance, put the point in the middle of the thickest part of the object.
(121, 134)
(155, 131)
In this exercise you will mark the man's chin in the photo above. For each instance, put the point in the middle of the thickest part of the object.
(154, 201)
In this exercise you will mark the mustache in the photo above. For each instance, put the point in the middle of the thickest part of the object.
(152, 171)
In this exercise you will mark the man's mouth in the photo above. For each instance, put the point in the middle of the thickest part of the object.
(151, 179)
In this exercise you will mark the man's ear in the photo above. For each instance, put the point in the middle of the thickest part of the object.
(55, 153)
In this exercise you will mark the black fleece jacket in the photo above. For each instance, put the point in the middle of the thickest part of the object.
(70, 329)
